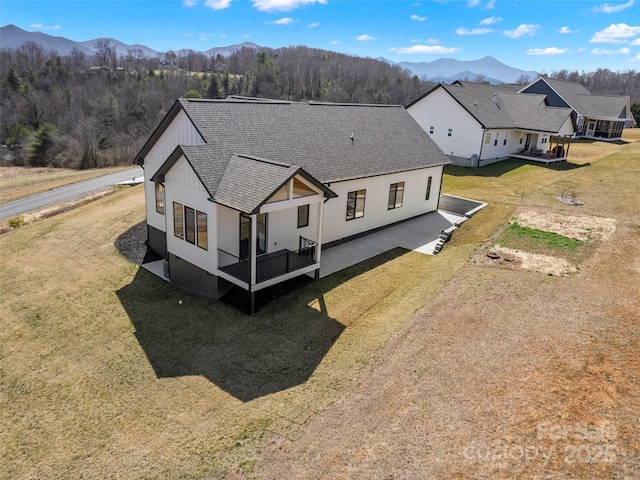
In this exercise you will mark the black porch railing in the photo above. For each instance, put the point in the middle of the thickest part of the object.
(270, 265)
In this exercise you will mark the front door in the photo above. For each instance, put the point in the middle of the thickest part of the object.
(261, 234)
(591, 128)
(527, 142)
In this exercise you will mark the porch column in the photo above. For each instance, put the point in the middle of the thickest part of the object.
(319, 234)
(252, 248)
(319, 229)
(252, 263)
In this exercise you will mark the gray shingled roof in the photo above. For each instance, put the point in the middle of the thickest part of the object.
(237, 181)
(588, 104)
(317, 137)
(499, 107)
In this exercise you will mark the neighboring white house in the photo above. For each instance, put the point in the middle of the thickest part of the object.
(247, 191)
(476, 124)
(594, 116)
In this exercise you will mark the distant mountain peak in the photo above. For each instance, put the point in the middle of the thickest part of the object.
(450, 69)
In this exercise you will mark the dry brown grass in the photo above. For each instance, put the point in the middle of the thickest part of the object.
(498, 352)
(21, 182)
(104, 374)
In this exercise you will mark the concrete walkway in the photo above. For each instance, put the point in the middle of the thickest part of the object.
(418, 234)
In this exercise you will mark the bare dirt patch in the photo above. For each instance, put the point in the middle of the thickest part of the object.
(582, 227)
(534, 261)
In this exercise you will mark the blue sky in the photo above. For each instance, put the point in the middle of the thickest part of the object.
(531, 35)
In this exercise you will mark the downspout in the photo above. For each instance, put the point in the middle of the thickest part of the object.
(484, 133)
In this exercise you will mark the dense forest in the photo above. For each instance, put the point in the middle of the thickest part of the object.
(80, 111)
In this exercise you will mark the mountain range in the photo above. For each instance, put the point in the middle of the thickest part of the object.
(13, 37)
(449, 70)
(442, 70)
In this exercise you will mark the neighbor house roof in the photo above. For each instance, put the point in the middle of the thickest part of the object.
(330, 142)
(606, 107)
(240, 182)
(498, 106)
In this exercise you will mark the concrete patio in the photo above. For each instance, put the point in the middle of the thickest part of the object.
(419, 234)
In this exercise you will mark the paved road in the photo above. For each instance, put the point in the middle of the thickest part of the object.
(64, 193)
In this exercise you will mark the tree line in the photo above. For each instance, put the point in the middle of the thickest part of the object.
(80, 111)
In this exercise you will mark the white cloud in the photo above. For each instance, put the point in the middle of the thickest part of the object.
(335, 42)
(567, 30)
(365, 38)
(491, 5)
(473, 31)
(635, 59)
(606, 8)
(313, 25)
(418, 18)
(188, 35)
(546, 51)
(215, 4)
(282, 21)
(189, 3)
(473, 3)
(428, 49)
(40, 26)
(491, 21)
(636, 42)
(283, 5)
(524, 30)
(615, 33)
(602, 51)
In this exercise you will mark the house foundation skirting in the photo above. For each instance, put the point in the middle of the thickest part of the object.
(157, 240)
(195, 279)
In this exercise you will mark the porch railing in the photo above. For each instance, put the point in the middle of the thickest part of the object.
(270, 265)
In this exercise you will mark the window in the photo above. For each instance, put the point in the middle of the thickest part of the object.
(355, 204)
(432, 129)
(521, 140)
(506, 137)
(487, 138)
(159, 198)
(495, 142)
(203, 238)
(429, 180)
(449, 132)
(303, 216)
(396, 192)
(178, 220)
(190, 225)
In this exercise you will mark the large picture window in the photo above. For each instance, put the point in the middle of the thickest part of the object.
(190, 225)
(396, 192)
(355, 204)
(178, 220)
(160, 198)
(203, 239)
(303, 216)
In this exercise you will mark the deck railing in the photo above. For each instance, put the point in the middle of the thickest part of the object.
(270, 265)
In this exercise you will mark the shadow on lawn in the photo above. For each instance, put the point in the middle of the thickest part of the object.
(248, 357)
(501, 168)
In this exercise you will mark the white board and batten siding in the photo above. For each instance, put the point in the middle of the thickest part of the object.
(179, 132)
(183, 186)
(376, 212)
(442, 112)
